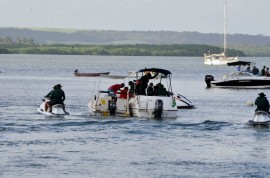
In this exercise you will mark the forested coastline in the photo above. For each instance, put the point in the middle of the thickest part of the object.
(116, 50)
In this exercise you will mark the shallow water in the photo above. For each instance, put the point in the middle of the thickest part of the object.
(212, 140)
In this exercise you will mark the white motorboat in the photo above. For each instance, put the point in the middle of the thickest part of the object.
(183, 103)
(222, 58)
(261, 118)
(239, 79)
(138, 105)
(57, 109)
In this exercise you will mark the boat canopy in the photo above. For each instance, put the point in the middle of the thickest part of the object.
(238, 63)
(156, 70)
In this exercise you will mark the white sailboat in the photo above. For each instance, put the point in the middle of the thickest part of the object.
(220, 59)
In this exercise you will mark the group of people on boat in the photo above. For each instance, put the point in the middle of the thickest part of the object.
(255, 71)
(139, 87)
(265, 71)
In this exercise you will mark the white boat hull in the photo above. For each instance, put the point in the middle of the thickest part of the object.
(56, 110)
(241, 79)
(208, 60)
(261, 118)
(139, 106)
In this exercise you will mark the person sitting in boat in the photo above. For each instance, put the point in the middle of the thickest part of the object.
(248, 69)
(57, 96)
(124, 93)
(161, 90)
(150, 89)
(262, 103)
(267, 74)
(255, 70)
(116, 87)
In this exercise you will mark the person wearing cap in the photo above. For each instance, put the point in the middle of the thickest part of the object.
(262, 102)
(57, 96)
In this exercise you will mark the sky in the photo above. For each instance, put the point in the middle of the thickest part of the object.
(206, 16)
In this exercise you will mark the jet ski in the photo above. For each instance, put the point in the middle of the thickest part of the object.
(183, 103)
(57, 109)
(261, 118)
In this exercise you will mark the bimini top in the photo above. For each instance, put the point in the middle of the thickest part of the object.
(156, 70)
(238, 63)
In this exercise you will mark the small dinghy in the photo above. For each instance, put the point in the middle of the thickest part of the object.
(57, 109)
(261, 118)
(183, 103)
(78, 74)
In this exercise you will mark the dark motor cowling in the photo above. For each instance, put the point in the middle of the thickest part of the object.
(208, 79)
(158, 108)
(112, 107)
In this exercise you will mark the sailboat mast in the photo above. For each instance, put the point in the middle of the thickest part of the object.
(225, 29)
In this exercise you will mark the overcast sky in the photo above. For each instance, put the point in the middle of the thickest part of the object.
(206, 16)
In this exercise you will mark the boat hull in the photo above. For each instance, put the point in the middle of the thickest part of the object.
(57, 110)
(90, 74)
(138, 106)
(243, 83)
(211, 60)
(261, 118)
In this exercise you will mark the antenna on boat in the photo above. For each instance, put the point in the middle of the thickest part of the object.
(225, 29)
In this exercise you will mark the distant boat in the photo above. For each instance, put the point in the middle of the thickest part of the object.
(77, 73)
(220, 59)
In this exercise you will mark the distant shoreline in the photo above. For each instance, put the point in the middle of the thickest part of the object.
(118, 50)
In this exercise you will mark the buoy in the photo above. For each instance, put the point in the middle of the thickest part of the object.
(250, 103)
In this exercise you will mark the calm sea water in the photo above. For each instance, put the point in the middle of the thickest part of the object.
(212, 140)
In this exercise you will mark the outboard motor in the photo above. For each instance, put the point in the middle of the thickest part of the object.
(158, 108)
(112, 107)
(208, 79)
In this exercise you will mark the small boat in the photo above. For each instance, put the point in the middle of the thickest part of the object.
(261, 118)
(57, 109)
(183, 103)
(77, 73)
(105, 103)
(239, 79)
(222, 58)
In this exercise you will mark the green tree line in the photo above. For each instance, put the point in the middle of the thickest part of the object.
(119, 50)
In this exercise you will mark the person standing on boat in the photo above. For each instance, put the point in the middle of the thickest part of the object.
(262, 103)
(57, 96)
(124, 93)
(116, 87)
(263, 71)
(144, 83)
